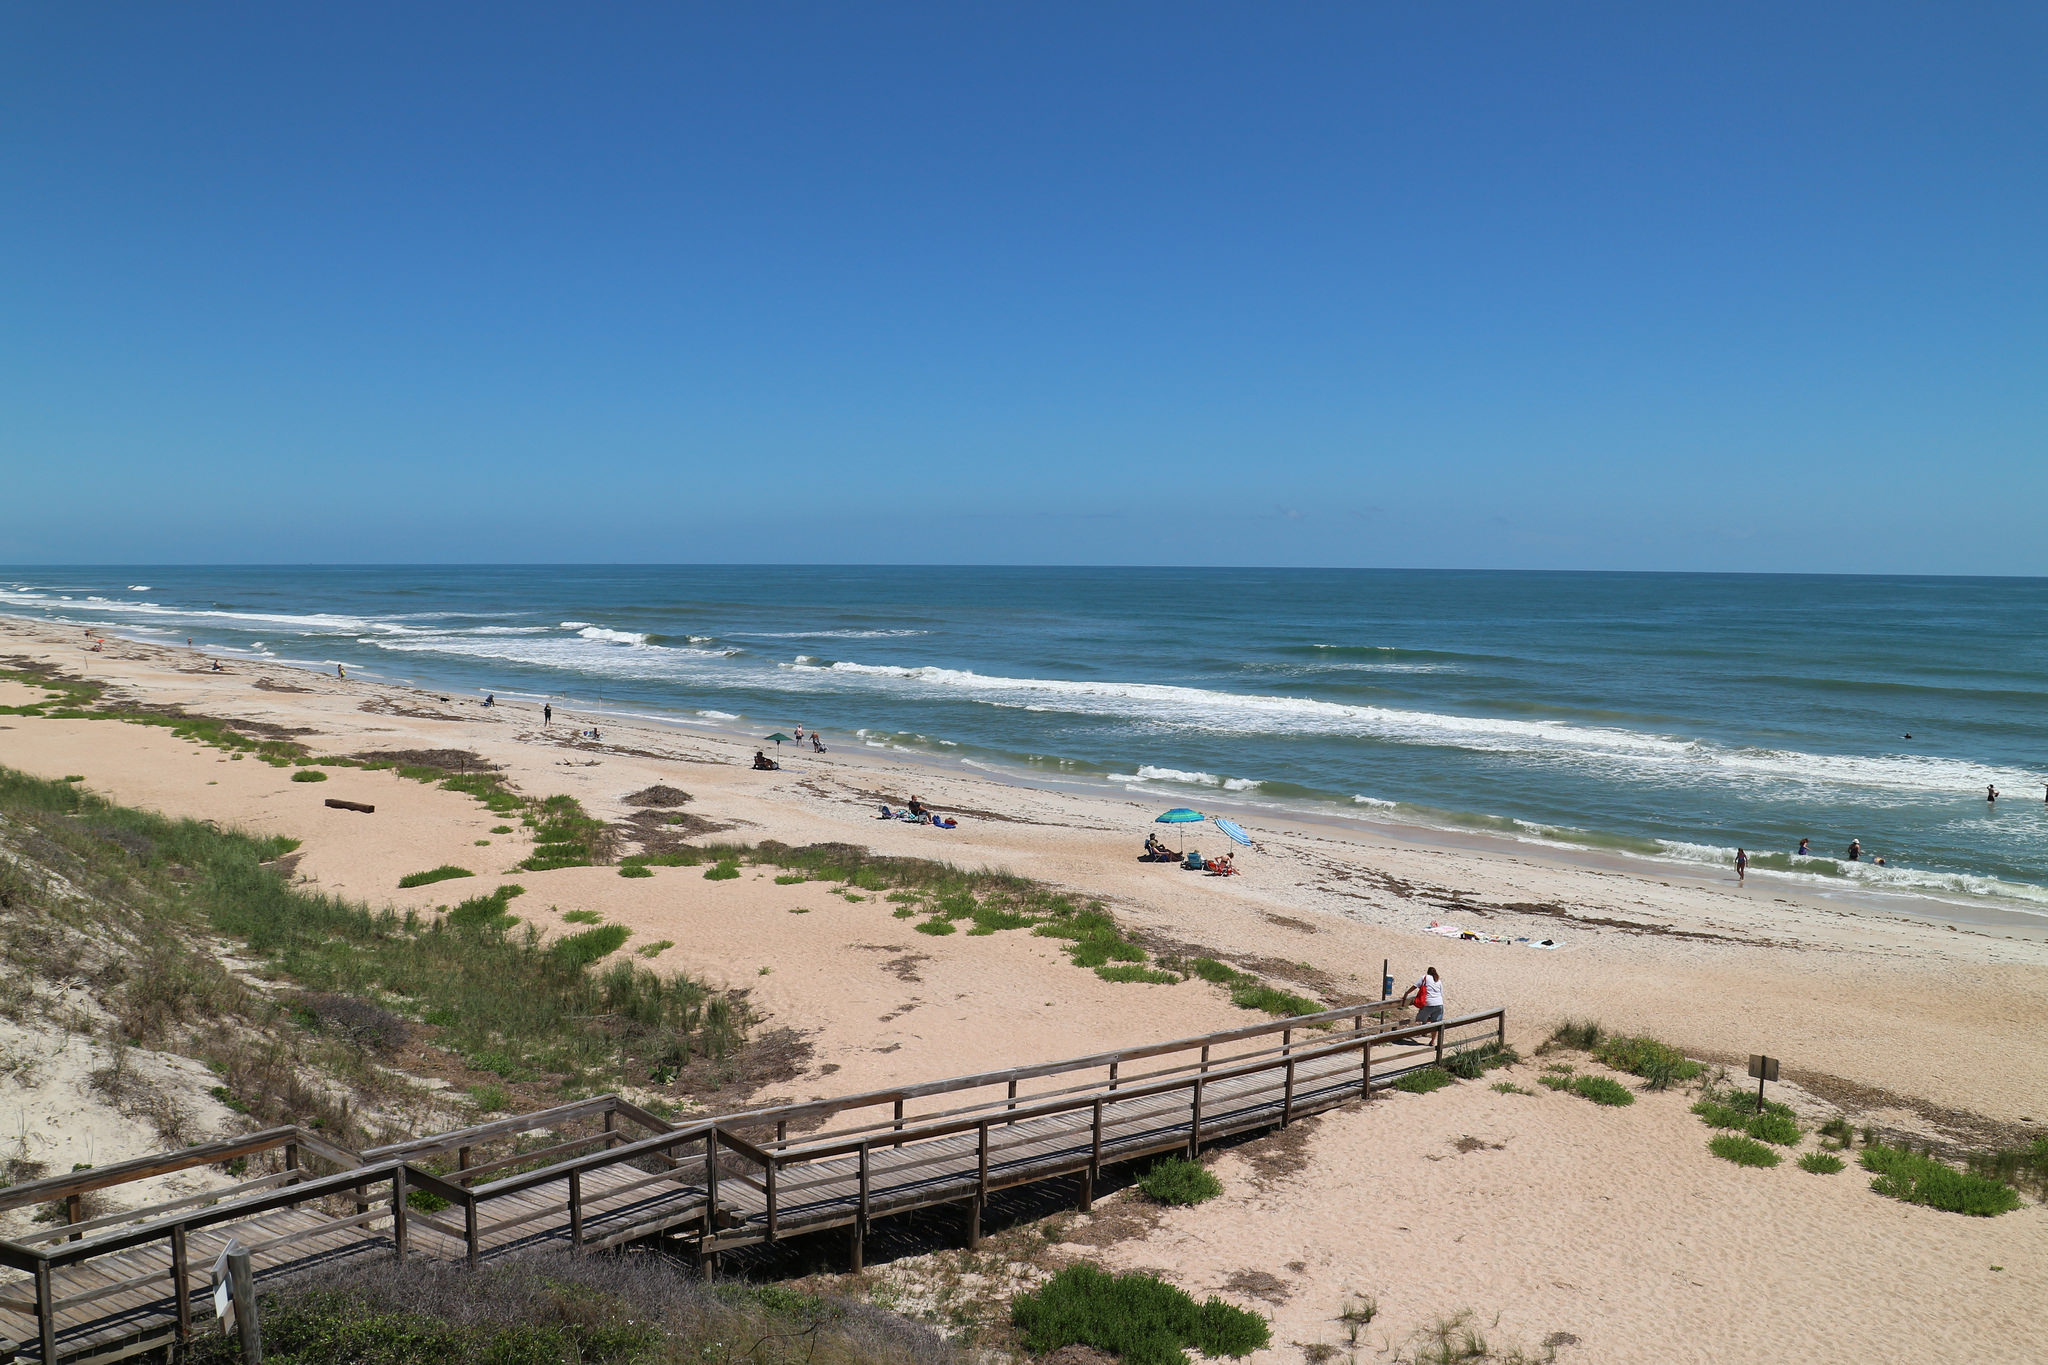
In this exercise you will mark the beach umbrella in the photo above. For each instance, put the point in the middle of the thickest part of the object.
(778, 737)
(1231, 828)
(1181, 815)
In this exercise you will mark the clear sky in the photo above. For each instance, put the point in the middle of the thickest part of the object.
(1709, 286)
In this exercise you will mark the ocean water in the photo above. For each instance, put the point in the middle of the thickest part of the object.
(1664, 715)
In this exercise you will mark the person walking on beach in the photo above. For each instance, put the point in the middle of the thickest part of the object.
(1741, 865)
(799, 734)
(547, 713)
(1855, 850)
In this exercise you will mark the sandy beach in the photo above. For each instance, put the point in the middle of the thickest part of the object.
(1614, 1228)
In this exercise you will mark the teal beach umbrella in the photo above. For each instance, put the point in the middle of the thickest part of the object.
(778, 738)
(1181, 815)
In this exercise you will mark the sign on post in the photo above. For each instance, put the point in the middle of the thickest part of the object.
(224, 1290)
(1764, 1069)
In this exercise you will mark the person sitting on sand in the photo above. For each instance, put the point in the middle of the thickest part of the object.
(1222, 867)
(490, 699)
(817, 745)
(918, 808)
(1158, 852)
(763, 763)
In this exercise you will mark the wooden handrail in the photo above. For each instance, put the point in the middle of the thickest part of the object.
(838, 1104)
(438, 1144)
(1335, 1046)
(147, 1167)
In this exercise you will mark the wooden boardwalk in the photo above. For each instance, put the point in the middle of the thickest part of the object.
(601, 1173)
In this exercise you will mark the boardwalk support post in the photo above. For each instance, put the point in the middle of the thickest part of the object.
(575, 1213)
(398, 1228)
(181, 1281)
(1094, 1170)
(980, 1185)
(860, 1218)
(774, 1211)
(46, 1311)
(242, 1287)
(1195, 1123)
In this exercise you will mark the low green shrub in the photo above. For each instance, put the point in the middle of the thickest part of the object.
(583, 917)
(1424, 1081)
(1474, 1062)
(1176, 1180)
(723, 871)
(1820, 1163)
(1602, 1090)
(309, 775)
(1781, 1129)
(938, 928)
(2025, 1167)
(795, 879)
(1921, 1178)
(1837, 1134)
(636, 870)
(1551, 1081)
(580, 950)
(1510, 1088)
(1657, 1063)
(445, 872)
(1139, 1317)
(1133, 971)
(1578, 1035)
(1741, 1150)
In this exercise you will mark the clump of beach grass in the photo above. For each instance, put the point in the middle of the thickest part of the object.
(445, 872)
(1474, 1062)
(1659, 1064)
(1922, 1178)
(1423, 1080)
(1729, 1106)
(1602, 1090)
(1580, 1035)
(1821, 1163)
(1741, 1150)
(309, 775)
(2025, 1167)
(1177, 1180)
(1136, 1316)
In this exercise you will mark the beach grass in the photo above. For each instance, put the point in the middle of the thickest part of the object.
(309, 775)
(1176, 1180)
(2024, 1168)
(1922, 1178)
(1602, 1090)
(1659, 1064)
(1423, 1080)
(1138, 1317)
(445, 872)
(1474, 1062)
(1821, 1163)
(493, 993)
(1741, 1150)
(582, 917)
(1580, 1035)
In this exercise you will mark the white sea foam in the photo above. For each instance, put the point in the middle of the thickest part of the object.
(138, 587)
(1646, 756)
(822, 634)
(616, 637)
(574, 625)
(718, 715)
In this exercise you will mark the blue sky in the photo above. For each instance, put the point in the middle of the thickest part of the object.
(1737, 287)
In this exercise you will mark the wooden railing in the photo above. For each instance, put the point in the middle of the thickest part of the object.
(720, 1182)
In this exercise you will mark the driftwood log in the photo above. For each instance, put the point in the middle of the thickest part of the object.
(339, 804)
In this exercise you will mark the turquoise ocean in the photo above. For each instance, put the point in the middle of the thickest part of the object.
(1656, 715)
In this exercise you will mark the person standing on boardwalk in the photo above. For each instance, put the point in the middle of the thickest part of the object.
(1741, 865)
(1428, 993)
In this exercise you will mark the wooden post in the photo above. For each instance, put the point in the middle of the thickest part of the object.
(74, 1212)
(860, 1220)
(398, 1228)
(781, 1131)
(291, 1158)
(1012, 1106)
(575, 1213)
(1365, 1070)
(899, 1119)
(710, 1204)
(46, 1312)
(469, 1231)
(1112, 1075)
(1195, 1123)
(462, 1158)
(1094, 1161)
(242, 1287)
(180, 1281)
(611, 1127)
(774, 1164)
(980, 1181)
(1205, 1059)
(1287, 1096)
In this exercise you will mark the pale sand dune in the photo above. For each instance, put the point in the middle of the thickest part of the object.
(1613, 1225)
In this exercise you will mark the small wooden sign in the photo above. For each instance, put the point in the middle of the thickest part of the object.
(1763, 1068)
(223, 1291)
